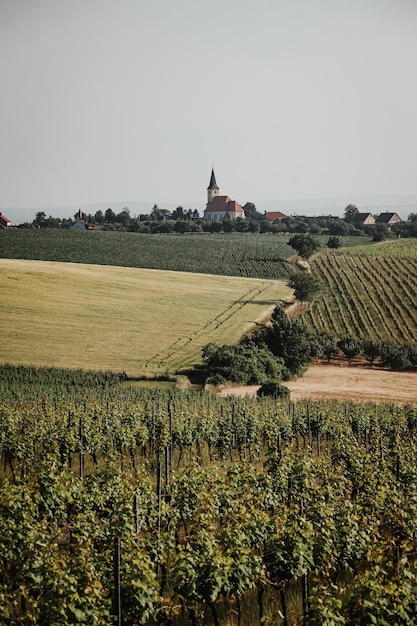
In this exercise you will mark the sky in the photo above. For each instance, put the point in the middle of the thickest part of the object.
(134, 100)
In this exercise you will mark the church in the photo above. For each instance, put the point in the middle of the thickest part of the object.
(220, 208)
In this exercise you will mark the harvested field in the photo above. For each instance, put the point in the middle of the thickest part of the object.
(357, 383)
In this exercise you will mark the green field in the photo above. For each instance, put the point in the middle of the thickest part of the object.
(369, 292)
(253, 256)
(249, 255)
(143, 322)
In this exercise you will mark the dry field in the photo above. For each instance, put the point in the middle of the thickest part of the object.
(141, 321)
(347, 383)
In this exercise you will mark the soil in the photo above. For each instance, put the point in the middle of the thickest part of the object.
(358, 383)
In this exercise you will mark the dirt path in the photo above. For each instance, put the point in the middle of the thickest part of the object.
(358, 383)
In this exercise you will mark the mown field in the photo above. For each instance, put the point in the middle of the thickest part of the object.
(369, 292)
(143, 322)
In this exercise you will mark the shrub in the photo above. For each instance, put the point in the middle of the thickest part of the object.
(274, 390)
(287, 339)
(246, 363)
(350, 347)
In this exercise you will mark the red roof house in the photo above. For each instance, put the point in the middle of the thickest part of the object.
(275, 216)
(4, 222)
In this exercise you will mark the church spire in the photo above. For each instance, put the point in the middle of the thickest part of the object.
(212, 189)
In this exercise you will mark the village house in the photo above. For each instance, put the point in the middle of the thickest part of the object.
(4, 222)
(80, 224)
(389, 219)
(220, 208)
(275, 216)
(363, 218)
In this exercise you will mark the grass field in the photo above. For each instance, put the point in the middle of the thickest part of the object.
(143, 322)
(369, 292)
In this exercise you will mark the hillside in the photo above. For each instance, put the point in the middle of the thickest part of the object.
(252, 256)
(143, 322)
(369, 292)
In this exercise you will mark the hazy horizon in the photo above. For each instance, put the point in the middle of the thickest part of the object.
(402, 205)
(137, 99)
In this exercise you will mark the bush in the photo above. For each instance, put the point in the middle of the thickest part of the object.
(274, 390)
(334, 242)
(396, 357)
(287, 339)
(350, 347)
(246, 363)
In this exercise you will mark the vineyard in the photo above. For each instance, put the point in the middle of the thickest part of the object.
(367, 296)
(252, 256)
(246, 255)
(120, 505)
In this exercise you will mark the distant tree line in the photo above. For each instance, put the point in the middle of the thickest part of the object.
(182, 220)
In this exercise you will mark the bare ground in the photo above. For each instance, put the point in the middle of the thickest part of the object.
(357, 383)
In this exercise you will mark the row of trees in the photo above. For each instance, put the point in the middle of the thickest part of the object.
(284, 348)
(183, 220)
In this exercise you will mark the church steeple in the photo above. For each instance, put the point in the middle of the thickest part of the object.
(212, 189)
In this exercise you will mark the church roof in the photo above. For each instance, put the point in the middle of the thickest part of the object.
(213, 184)
(223, 204)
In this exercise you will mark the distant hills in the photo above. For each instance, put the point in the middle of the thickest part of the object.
(403, 205)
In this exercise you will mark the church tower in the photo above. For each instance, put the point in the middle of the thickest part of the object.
(212, 189)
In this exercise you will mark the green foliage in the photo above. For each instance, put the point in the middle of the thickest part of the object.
(248, 500)
(246, 363)
(287, 339)
(380, 232)
(324, 345)
(395, 356)
(253, 256)
(350, 347)
(305, 285)
(350, 212)
(305, 245)
(334, 242)
(371, 350)
(274, 390)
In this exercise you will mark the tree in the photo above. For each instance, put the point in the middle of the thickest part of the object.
(380, 232)
(350, 212)
(305, 285)
(324, 346)
(182, 227)
(350, 347)
(287, 339)
(159, 214)
(251, 212)
(39, 218)
(305, 245)
(245, 363)
(124, 218)
(99, 217)
(371, 350)
(334, 242)
(178, 213)
(110, 216)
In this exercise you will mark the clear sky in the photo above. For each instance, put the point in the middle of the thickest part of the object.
(107, 100)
